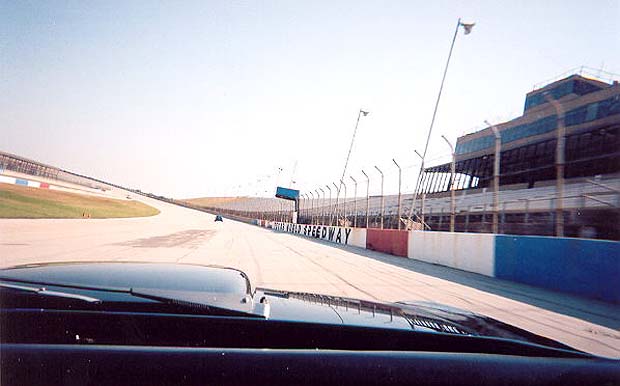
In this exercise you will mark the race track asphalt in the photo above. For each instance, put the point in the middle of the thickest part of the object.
(284, 261)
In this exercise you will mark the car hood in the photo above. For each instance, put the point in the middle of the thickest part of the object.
(126, 275)
(229, 288)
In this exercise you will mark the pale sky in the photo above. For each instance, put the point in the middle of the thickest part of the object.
(189, 99)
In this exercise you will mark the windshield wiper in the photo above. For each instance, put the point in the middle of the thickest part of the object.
(45, 292)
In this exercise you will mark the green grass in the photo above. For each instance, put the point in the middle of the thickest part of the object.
(24, 202)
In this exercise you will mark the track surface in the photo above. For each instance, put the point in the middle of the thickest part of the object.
(283, 261)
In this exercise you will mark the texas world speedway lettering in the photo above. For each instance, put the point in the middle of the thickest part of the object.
(329, 233)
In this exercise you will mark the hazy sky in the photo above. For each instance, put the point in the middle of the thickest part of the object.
(191, 99)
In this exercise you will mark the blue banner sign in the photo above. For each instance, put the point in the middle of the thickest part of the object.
(287, 194)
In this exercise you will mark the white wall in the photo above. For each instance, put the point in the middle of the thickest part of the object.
(7, 179)
(340, 235)
(473, 252)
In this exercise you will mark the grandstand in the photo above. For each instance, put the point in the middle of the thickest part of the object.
(14, 165)
(576, 117)
(580, 113)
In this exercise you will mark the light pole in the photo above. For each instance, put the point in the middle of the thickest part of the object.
(367, 196)
(451, 184)
(323, 207)
(399, 185)
(467, 27)
(354, 201)
(346, 162)
(382, 197)
(496, 169)
(559, 164)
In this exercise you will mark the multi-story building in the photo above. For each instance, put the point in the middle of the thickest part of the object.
(582, 113)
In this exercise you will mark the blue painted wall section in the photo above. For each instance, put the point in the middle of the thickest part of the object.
(19, 181)
(588, 268)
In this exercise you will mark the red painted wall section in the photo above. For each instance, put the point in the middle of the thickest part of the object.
(390, 241)
(44, 185)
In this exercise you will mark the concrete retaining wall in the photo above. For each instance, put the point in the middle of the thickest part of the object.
(39, 182)
(341, 235)
(589, 268)
(473, 252)
(390, 241)
(7, 179)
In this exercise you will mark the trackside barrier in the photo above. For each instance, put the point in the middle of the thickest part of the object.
(392, 241)
(473, 252)
(588, 268)
(341, 235)
(32, 183)
(7, 179)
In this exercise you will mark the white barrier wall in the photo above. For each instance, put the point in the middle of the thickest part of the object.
(341, 235)
(7, 179)
(473, 252)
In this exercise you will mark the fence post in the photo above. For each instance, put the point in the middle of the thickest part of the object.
(451, 184)
(467, 219)
(354, 201)
(311, 208)
(422, 200)
(527, 211)
(559, 164)
(329, 205)
(319, 207)
(322, 207)
(337, 196)
(496, 171)
(367, 196)
(382, 197)
(399, 197)
(344, 202)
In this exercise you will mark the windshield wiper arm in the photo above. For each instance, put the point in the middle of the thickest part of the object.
(45, 292)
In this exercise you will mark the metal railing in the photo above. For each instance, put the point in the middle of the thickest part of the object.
(590, 209)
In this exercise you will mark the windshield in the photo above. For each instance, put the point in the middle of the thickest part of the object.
(447, 168)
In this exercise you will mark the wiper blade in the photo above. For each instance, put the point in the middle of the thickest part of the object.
(231, 304)
(45, 292)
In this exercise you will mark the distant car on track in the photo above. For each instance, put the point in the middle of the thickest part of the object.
(219, 218)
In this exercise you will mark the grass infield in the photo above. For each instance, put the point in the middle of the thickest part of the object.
(23, 202)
